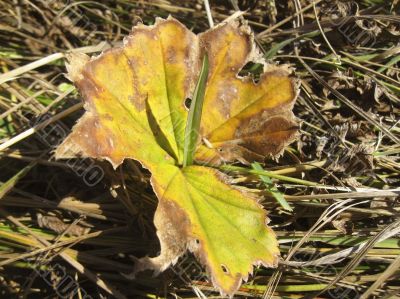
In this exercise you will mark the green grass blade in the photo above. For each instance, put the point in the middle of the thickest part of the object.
(7, 186)
(271, 188)
(270, 174)
(194, 117)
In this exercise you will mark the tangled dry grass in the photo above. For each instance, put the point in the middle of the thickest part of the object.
(69, 232)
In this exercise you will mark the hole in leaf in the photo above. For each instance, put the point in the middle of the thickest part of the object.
(188, 102)
(252, 69)
(224, 269)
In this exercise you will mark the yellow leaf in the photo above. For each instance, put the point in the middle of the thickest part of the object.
(243, 120)
(134, 99)
(224, 227)
(134, 96)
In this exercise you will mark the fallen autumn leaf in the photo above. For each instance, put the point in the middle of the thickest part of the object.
(134, 100)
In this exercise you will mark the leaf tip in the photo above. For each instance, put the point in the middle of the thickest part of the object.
(75, 64)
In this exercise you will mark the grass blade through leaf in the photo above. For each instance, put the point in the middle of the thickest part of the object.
(194, 117)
